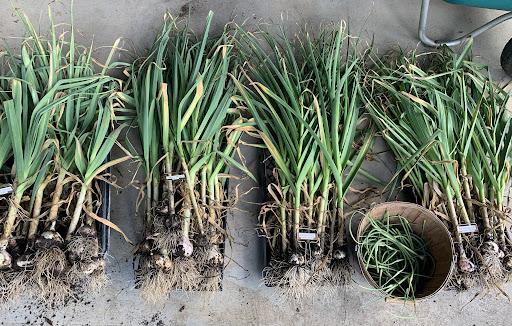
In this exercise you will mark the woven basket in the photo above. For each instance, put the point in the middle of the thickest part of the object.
(434, 232)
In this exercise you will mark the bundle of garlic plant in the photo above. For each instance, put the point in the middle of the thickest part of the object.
(448, 126)
(304, 97)
(58, 115)
(189, 132)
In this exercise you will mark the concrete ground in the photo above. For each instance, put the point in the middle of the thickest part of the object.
(244, 301)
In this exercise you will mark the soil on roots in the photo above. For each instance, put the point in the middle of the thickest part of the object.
(84, 278)
(50, 275)
(492, 272)
(155, 285)
(13, 284)
(81, 248)
(305, 281)
(489, 270)
(341, 272)
(167, 261)
(185, 274)
(182, 274)
(464, 281)
(167, 234)
(87, 271)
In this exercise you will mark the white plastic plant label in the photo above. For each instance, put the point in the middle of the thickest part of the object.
(175, 177)
(307, 236)
(5, 190)
(467, 228)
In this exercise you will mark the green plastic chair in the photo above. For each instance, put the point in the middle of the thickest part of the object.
(490, 4)
(506, 5)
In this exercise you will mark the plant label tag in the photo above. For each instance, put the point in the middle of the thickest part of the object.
(307, 236)
(5, 190)
(175, 177)
(467, 228)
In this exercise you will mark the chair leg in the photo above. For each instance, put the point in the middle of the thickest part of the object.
(506, 58)
(422, 31)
